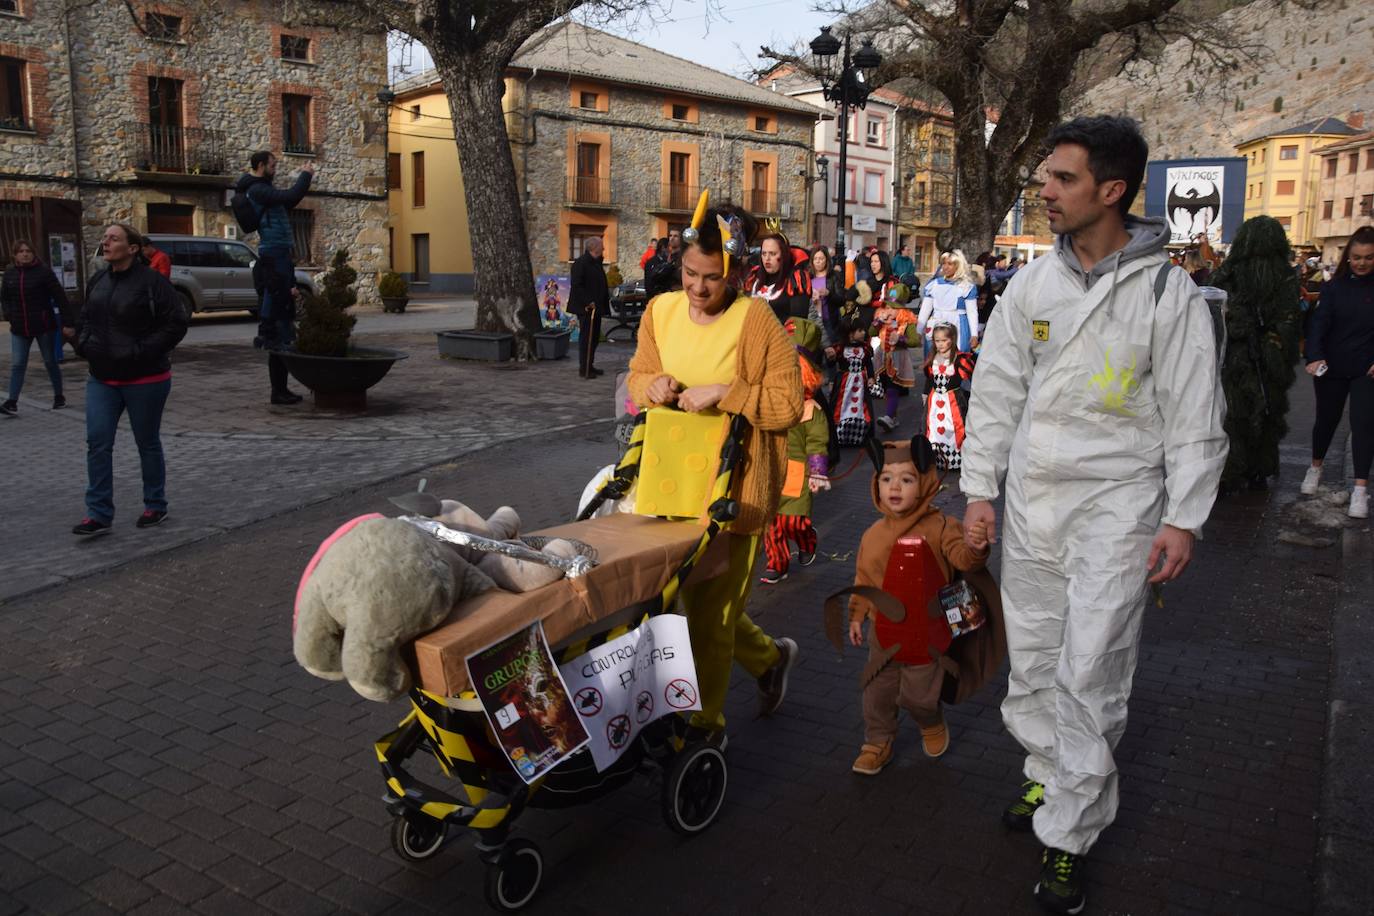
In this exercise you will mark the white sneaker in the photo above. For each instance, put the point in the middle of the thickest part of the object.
(1359, 503)
(1311, 481)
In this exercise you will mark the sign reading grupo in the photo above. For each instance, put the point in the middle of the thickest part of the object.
(529, 707)
(622, 686)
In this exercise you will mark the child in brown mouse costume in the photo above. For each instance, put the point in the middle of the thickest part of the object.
(904, 488)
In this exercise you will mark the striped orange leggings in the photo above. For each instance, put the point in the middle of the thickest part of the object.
(788, 528)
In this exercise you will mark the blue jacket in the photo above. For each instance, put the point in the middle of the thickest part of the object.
(274, 230)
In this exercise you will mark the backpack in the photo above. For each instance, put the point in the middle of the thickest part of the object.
(1216, 308)
(246, 213)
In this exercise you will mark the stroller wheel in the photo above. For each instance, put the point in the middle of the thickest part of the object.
(514, 880)
(419, 839)
(694, 788)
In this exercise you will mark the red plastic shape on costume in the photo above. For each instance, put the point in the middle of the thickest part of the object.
(914, 578)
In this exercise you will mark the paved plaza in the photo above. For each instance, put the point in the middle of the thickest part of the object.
(161, 752)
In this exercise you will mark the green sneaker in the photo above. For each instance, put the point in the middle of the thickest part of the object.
(1021, 812)
(1060, 888)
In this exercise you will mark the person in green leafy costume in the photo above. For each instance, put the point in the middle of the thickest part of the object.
(1262, 328)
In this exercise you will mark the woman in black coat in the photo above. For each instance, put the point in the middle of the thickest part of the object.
(1340, 358)
(32, 302)
(131, 321)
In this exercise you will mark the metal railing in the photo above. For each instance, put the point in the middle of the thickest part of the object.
(188, 150)
(674, 196)
(761, 202)
(589, 191)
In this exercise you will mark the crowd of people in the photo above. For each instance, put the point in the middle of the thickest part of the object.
(1087, 390)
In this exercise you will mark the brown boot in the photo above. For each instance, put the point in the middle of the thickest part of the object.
(873, 757)
(935, 738)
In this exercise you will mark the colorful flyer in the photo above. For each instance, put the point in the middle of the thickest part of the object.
(962, 607)
(526, 702)
(623, 685)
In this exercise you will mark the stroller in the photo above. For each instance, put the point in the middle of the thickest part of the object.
(489, 796)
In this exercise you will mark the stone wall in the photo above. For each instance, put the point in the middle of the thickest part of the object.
(44, 150)
(636, 126)
(227, 57)
(1315, 65)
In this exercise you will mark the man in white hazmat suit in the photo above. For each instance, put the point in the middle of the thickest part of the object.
(1099, 399)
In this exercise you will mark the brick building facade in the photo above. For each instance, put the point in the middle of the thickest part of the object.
(147, 113)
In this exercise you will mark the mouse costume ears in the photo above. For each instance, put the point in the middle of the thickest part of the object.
(918, 452)
(732, 236)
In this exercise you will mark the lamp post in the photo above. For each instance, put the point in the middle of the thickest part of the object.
(823, 167)
(847, 88)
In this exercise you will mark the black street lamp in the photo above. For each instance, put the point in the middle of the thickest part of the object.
(823, 167)
(847, 88)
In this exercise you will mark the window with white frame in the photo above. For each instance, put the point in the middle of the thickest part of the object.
(874, 134)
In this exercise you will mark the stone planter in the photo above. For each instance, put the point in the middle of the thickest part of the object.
(552, 344)
(491, 346)
(394, 303)
(341, 382)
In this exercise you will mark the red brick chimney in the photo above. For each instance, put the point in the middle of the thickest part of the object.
(1355, 119)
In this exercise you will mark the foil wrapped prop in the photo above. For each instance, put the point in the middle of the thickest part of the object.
(573, 568)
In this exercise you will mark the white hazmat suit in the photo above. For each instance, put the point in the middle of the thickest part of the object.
(1104, 412)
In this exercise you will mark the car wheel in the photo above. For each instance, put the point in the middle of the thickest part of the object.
(187, 302)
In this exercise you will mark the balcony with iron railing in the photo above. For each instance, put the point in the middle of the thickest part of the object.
(588, 191)
(157, 148)
(761, 202)
(677, 198)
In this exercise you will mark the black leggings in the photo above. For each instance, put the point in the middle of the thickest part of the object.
(1331, 393)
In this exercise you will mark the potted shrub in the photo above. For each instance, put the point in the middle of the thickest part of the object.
(394, 290)
(337, 373)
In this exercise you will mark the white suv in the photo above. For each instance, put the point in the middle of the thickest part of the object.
(214, 275)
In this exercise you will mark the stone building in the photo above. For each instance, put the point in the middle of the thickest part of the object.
(147, 113)
(615, 139)
(1345, 192)
(609, 138)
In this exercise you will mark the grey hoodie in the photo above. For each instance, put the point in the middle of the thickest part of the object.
(1148, 235)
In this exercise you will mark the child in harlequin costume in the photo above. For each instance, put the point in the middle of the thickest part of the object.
(808, 445)
(904, 489)
(895, 327)
(856, 382)
(946, 401)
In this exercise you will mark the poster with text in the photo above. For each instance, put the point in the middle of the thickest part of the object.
(526, 701)
(623, 685)
(1193, 197)
(55, 260)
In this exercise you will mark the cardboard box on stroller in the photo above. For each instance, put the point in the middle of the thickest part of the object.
(637, 556)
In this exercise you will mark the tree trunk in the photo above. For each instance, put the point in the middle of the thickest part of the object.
(979, 208)
(500, 251)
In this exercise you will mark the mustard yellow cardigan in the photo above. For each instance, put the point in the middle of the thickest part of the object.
(766, 391)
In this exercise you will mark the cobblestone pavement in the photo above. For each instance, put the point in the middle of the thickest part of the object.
(161, 752)
(232, 459)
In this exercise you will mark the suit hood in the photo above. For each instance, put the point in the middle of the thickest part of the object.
(1148, 235)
